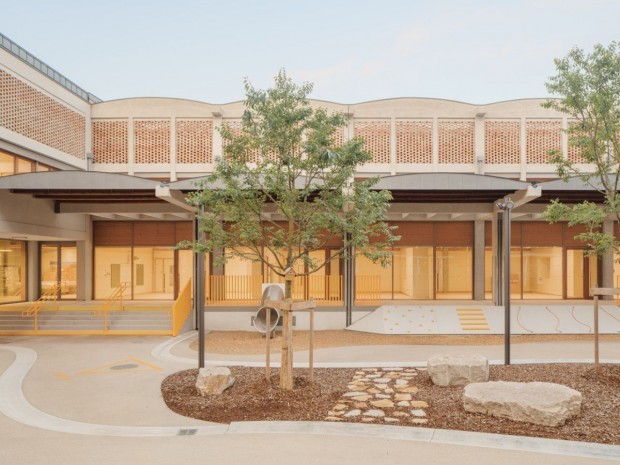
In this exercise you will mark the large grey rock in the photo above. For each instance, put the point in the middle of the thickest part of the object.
(213, 380)
(539, 403)
(456, 370)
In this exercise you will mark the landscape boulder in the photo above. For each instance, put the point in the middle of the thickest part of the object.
(546, 404)
(457, 370)
(213, 380)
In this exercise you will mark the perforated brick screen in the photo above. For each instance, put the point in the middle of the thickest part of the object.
(414, 141)
(542, 136)
(152, 141)
(502, 142)
(110, 141)
(456, 141)
(376, 135)
(574, 152)
(194, 141)
(33, 114)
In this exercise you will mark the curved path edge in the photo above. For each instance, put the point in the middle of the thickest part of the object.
(15, 406)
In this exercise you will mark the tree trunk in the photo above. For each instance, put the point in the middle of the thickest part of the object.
(286, 366)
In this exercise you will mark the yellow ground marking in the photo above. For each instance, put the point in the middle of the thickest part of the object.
(472, 319)
(107, 369)
(62, 375)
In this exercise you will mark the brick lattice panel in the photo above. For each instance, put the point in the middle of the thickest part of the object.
(152, 141)
(456, 141)
(110, 141)
(32, 114)
(194, 141)
(338, 137)
(542, 136)
(502, 142)
(414, 141)
(376, 135)
(236, 128)
(574, 152)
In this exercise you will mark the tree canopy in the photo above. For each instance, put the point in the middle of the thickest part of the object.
(588, 90)
(286, 187)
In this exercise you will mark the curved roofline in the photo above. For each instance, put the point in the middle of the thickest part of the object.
(76, 179)
(334, 102)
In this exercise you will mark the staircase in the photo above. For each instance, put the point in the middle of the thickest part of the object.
(87, 321)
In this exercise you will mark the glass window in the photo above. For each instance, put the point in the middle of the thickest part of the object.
(413, 273)
(7, 164)
(12, 271)
(453, 272)
(24, 166)
(542, 272)
(372, 281)
(112, 269)
(153, 273)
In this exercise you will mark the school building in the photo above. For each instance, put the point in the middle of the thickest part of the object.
(92, 200)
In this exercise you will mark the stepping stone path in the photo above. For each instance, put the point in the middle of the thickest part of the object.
(381, 395)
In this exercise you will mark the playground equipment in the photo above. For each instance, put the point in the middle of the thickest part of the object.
(266, 318)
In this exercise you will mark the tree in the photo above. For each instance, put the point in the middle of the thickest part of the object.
(285, 188)
(588, 87)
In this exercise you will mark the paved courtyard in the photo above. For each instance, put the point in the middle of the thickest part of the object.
(67, 400)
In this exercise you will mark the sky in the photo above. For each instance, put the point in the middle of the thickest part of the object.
(472, 51)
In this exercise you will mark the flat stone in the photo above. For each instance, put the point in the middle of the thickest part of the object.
(419, 421)
(391, 420)
(356, 388)
(335, 413)
(351, 394)
(382, 380)
(404, 403)
(419, 404)
(409, 389)
(409, 374)
(367, 420)
(374, 413)
(418, 413)
(402, 396)
(333, 419)
(360, 405)
(383, 403)
(353, 413)
(381, 386)
(373, 391)
(340, 407)
(401, 382)
(400, 414)
(373, 376)
(393, 369)
(383, 396)
(213, 380)
(458, 370)
(389, 391)
(361, 398)
(546, 404)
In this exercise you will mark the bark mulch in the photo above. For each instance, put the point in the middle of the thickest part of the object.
(251, 398)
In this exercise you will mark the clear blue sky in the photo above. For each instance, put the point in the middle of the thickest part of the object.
(470, 50)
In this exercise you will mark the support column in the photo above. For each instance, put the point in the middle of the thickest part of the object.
(496, 244)
(349, 284)
(479, 263)
(199, 295)
(32, 249)
(607, 269)
(85, 264)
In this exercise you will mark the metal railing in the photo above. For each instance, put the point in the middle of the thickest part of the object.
(28, 58)
(47, 295)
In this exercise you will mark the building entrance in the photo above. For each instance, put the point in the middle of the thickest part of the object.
(58, 266)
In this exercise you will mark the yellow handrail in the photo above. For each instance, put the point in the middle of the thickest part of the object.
(116, 296)
(49, 295)
(182, 308)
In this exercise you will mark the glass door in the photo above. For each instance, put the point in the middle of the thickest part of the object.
(58, 266)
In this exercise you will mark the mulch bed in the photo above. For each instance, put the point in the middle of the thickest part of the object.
(251, 398)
